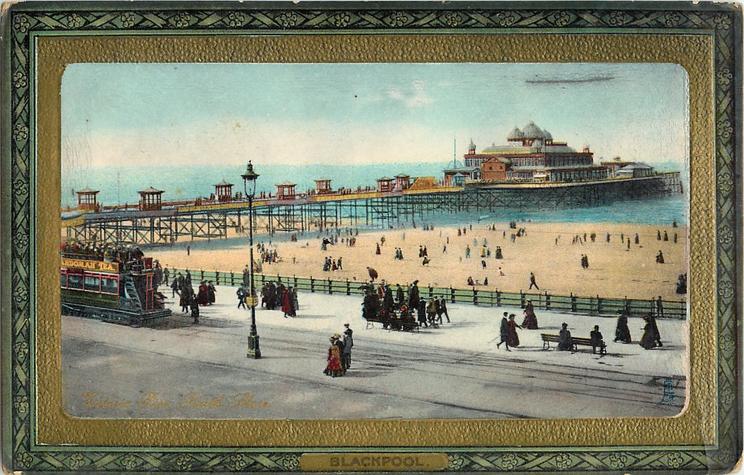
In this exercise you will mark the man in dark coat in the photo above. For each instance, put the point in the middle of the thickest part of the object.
(504, 332)
(595, 336)
(211, 291)
(241, 296)
(413, 295)
(399, 295)
(421, 311)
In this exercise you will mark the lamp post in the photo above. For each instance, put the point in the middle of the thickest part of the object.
(249, 186)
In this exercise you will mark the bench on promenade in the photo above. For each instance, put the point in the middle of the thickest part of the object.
(406, 325)
(575, 343)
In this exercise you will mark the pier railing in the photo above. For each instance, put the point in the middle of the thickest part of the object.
(580, 305)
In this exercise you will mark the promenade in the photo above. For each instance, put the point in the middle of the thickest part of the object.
(187, 370)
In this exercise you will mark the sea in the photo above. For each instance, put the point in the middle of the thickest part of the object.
(120, 185)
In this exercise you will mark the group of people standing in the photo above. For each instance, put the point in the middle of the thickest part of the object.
(188, 299)
(274, 296)
(338, 360)
(331, 264)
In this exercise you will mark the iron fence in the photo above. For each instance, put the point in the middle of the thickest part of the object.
(581, 305)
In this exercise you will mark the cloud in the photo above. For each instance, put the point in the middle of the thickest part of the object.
(416, 96)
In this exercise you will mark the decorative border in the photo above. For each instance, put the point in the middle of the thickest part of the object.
(23, 19)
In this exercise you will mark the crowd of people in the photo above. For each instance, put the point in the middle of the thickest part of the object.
(404, 309)
(275, 296)
(189, 300)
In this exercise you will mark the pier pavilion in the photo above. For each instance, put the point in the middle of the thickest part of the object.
(86, 199)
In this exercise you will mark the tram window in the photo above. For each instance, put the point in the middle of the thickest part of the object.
(63, 279)
(74, 281)
(110, 286)
(92, 282)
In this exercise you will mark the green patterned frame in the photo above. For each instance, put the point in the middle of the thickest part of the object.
(18, 162)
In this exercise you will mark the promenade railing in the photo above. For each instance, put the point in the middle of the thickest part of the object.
(580, 305)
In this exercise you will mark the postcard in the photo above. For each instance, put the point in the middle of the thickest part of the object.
(242, 241)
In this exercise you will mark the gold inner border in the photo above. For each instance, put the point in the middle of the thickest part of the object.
(695, 426)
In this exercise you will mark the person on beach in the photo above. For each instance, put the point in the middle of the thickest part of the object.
(377, 249)
(660, 257)
(655, 328)
(622, 332)
(666, 236)
(530, 319)
(467, 252)
(512, 337)
(499, 254)
(565, 342)
(637, 239)
(532, 282)
(504, 332)
(658, 235)
(442, 310)
(597, 341)
(188, 250)
(185, 299)
(166, 272)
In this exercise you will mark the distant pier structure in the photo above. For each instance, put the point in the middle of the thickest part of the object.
(532, 171)
(163, 222)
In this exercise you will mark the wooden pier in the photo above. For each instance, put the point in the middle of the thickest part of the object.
(219, 219)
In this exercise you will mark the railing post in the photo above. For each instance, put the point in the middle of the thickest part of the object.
(547, 300)
(573, 302)
(217, 277)
(330, 287)
(294, 281)
(475, 296)
(452, 295)
(431, 292)
(202, 275)
(232, 278)
(521, 298)
(498, 298)
(348, 287)
(312, 284)
(599, 305)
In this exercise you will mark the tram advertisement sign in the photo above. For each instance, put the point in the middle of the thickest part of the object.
(86, 264)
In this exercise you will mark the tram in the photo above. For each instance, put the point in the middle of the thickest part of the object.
(114, 290)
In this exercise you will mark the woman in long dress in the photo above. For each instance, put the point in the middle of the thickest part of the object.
(622, 332)
(530, 319)
(648, 340)
(203, 296)
(512, 338)
(334, 368)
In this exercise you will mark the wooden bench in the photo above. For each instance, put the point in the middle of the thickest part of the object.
(575, 343)
(406, 325)
(588, 342)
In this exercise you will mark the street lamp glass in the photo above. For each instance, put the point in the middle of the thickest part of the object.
(250, 178)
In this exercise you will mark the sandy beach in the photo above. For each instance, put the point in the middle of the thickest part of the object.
(546, 249)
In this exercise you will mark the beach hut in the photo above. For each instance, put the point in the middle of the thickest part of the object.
(87, 199)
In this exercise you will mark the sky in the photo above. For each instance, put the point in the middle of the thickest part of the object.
(193, 114)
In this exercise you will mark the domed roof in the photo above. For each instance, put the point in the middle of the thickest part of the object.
(531, 131)
(547, 135)
(515, 134)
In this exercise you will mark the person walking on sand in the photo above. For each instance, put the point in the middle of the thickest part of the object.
(504, 332)
(532, 282)
(188, 250)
